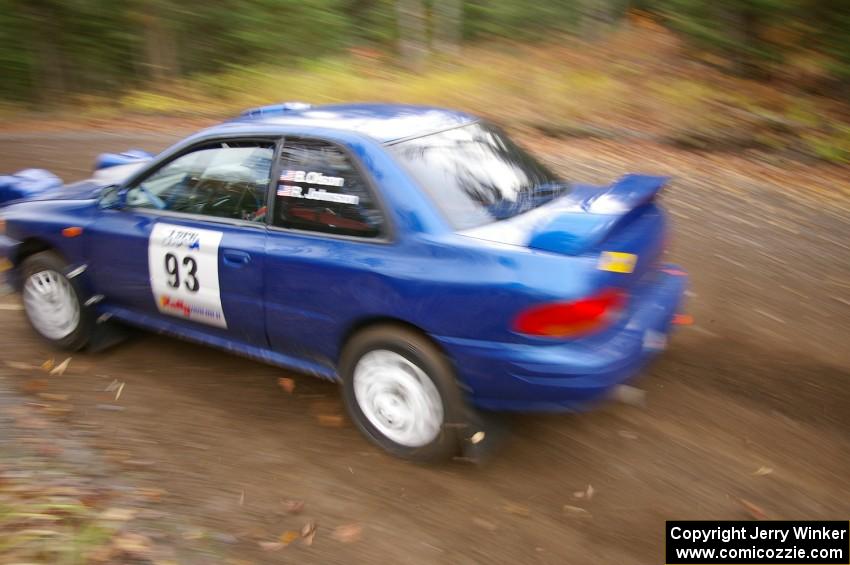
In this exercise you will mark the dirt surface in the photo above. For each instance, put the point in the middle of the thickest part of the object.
(746, 415)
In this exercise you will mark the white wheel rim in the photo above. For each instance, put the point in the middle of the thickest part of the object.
(51, 304)
(398, 398)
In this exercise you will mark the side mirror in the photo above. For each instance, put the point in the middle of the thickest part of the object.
(112, 198)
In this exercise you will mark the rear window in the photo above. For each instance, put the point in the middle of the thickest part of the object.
(476, 175)
(321, 190)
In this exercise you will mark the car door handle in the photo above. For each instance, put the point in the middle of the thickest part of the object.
(236, 258)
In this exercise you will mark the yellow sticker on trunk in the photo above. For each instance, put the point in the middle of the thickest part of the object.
(617, 262)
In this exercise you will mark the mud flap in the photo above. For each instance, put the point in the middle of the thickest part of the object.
(107, 334)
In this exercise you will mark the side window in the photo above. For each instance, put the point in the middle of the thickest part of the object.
(224, 179)
(321, 190)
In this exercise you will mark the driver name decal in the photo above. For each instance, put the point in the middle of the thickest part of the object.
(310, 178)
(292, 191)
(183, 267)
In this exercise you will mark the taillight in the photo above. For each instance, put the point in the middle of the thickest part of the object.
(574, 318)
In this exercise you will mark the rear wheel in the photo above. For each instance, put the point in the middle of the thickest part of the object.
(53, 303)
(400, 391)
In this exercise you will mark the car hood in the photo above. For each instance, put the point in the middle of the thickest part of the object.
(91, 188)
(83, 190)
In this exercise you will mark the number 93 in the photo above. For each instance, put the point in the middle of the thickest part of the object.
(190, 266)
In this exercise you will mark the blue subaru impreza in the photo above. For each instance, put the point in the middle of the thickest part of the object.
(415, 255)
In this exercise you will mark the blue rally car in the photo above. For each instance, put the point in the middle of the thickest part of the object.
(416, 255)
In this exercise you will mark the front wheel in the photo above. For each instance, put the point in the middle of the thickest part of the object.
(401, 393)
(53, 303)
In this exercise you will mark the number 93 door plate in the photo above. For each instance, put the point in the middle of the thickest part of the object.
(183, 266)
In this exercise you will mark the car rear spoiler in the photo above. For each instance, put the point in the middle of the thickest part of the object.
(108, 160)
(26, 183)
(596, 216)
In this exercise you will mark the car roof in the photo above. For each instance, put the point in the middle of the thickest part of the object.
(383, 122)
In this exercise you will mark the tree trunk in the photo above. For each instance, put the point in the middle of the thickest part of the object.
(410, 15)
(49, 61)
(160, 51)
(448, 19)
(746, 28)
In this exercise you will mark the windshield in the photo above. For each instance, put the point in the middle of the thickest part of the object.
(477, 175)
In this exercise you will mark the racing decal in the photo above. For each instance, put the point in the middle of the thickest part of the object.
(617, 262)
(183, 266)
(292, 191)
(310, 178)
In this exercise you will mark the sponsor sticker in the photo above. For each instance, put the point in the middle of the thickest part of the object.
(617, 262)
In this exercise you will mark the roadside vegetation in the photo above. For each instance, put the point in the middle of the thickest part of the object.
(765, 75)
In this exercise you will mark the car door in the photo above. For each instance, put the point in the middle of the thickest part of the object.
(186, 247)
(327, 243)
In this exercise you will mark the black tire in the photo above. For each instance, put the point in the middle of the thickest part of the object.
(420, 351)
(80, 336)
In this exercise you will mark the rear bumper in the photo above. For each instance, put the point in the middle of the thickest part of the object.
(570, 376)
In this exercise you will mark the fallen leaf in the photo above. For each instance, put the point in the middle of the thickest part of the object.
(223, 537)
(330, 420)
(754, 510)
(586, 494)
(62, 491)
(516, 509)
(481, 523)
(293, 506)
(630, 395)
(53, 397)
(117, 455)
(48, 365)
(37, 517)
(33, 386)
(49, 450)
(286, 384)
(193, 534)
(576, 511)
(762, 471)
(60, 369)
(255, 533)
(39, 533)
(59, 409)
(139, 462)
(288, 537)
(117, 514)
(132, 544)
(308, 532)
(31, 423)
(18, 366)
(151, 494)
(270, 545)
(101, 554)
(348, 533)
